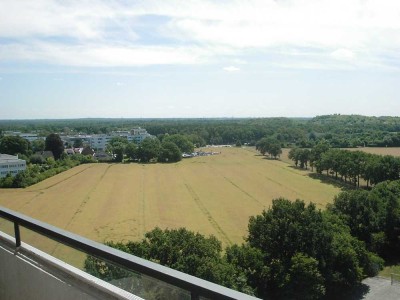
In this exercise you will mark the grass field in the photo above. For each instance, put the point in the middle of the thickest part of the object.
(120, 202)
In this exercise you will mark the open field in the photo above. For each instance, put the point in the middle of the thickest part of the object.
(395, 151)
(213, 195)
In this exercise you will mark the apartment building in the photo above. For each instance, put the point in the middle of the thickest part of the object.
(10, 164)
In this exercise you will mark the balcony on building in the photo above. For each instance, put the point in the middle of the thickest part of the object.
(27, 272)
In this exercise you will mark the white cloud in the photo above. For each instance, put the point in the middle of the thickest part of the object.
(102, 55)
(231, 69)
(343, 54)
(115, 33)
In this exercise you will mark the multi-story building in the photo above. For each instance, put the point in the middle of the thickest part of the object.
(10, 164)
(28, 136)
(100, 141)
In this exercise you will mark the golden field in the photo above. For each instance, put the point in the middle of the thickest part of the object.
(120, 202)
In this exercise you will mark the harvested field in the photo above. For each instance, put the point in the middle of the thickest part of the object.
(120, 202)
(395, 151)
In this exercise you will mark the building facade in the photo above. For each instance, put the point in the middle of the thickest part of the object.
(28, 136)
(10, 164)
(100, 141)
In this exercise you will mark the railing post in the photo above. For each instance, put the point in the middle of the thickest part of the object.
(17, 235)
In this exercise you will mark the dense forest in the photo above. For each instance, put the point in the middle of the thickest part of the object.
(339, 130)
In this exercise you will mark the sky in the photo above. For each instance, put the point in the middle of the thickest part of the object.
(198, 59)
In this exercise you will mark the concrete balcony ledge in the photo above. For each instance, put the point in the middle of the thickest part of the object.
(28, 273)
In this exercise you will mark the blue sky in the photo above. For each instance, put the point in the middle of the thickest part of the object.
(293, 58)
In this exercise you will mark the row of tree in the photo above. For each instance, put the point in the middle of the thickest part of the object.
(349, 166)
(269, 146)
(293, 250)
(14, 145)
(169, 149)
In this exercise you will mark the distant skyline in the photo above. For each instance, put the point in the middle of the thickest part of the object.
(198, 59)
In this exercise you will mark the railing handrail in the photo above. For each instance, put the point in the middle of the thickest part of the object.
(197, 287)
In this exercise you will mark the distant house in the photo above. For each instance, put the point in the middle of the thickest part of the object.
(10, 164)
(102, 156)
(72, 151)
(69, 151)
(87, 151)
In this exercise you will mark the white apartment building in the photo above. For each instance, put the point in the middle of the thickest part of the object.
(28, 136)
(100, 141)
(11, 164)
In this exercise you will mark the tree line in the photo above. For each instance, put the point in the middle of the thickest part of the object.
(292, 251)
(340, 131)
(166, 148)
(348, 166)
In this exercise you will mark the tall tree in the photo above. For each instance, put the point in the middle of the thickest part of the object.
(131, 150)
(54, 144)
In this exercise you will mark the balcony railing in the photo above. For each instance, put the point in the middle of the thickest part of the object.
(198, 288)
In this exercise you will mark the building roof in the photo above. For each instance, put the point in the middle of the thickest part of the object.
(9, 158)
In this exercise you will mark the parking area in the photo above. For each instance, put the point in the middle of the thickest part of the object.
(381, 288)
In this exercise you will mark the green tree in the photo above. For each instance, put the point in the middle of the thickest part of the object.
(149, 149)
(269, 145)
(116, 147)
(183, 142)
(181, 250)
(317, 151)
(78, 143)
(131, 150)
(289, 228)
(54, 144)
(294, 154)
(304, 279)
(304, 157)
(38, 145)
(13, 145)
(169, 152)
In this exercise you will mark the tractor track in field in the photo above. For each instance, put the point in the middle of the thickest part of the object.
(142, 209)
(281, 185)
(87, 197)
(243, 191)
(65, 179)
(237, 186)
(208, 215)
(39, 192)
(84, 202)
